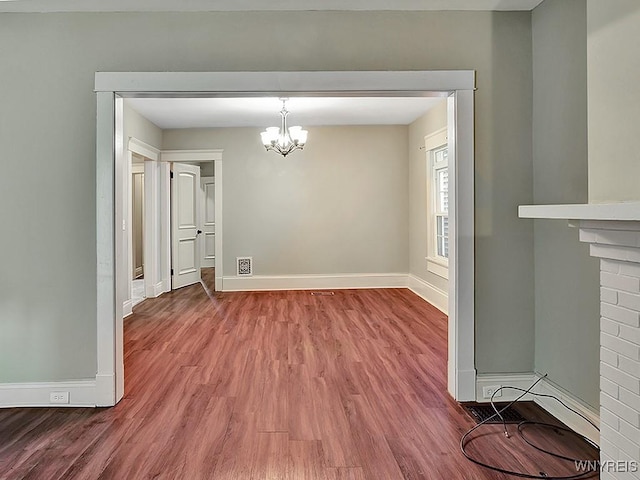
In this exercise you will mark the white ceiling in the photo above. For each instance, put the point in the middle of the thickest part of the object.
(263, 112)
(257, 5)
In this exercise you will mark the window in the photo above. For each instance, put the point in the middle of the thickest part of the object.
(437, 203)
(440, 174)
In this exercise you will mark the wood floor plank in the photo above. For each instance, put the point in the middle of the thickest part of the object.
(346, 473)
(306, 461)
(304, 405)
(376, 458)
(201, 438)
(337, 439)
(272, 385)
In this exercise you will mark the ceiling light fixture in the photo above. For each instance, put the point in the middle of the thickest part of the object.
(284, 140)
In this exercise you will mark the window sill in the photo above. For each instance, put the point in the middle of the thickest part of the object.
(438, 267)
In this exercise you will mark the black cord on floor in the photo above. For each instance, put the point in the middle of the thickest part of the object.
(463, 440)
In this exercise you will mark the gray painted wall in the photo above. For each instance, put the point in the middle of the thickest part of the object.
(434, 120)
(613, 42)
(338, 206)
(566, 277)
(47, 140)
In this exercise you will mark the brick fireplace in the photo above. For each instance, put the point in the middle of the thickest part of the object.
(613, 232)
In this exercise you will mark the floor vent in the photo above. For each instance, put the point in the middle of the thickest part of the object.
(324, 294)
(480, 413)
(244, 266)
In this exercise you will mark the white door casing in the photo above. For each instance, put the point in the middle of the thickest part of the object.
(150, 168)
(110, 85)
(208, 222)
(185, 217)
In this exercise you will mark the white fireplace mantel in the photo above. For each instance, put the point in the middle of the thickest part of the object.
(624, 211)
(613, 232)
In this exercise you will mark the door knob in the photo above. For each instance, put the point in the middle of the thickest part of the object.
(199, 232)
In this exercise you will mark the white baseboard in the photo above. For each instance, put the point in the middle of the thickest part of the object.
(104, 395)
(519, 380)
(546, 387)
(153, 291)
(465, 380)
(570, 419)
(436, 297)
(81, 394)
(127, 308)
(312, 282)
(149, 290)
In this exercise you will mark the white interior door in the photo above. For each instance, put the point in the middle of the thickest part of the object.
(208, 248)
(185, 216)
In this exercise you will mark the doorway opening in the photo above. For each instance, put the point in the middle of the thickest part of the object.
(141, 161)
(458, 86)
(193, 223)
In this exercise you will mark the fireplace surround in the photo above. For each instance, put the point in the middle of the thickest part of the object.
(613, 232)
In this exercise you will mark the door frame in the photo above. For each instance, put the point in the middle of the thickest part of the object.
(203, 218)
(110, 87)
(151, 155)
(211, 155)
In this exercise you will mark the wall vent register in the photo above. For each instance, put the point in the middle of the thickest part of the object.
(244, 266)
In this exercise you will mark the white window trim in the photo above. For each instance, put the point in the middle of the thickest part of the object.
(435, 263)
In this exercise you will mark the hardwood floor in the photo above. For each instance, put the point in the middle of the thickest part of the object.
(209, 280)
(273, 385)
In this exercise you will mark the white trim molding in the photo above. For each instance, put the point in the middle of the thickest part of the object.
(620, 211)
(107, 311)
(155, 290)
(545, 387)
(437, 139)
(518, 380)
(433, 295)
(43, 6)
(570, 419)
(191, 155)
(127, 308)
(354, 82)
(313, 282)
(82, 393)
(461, 370)
(457, 85)
(143, 149)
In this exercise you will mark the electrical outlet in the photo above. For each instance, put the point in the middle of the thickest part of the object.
(487, 392)
(59, 397)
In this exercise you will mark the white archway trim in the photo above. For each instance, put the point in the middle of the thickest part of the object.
(461, 363)
(143, 149)
(458, 84)
(251, 83)
(107, 308)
